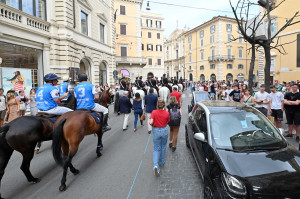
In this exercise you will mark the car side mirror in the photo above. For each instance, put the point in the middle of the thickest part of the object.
(281, 130)
(190, 108)
(200, 137)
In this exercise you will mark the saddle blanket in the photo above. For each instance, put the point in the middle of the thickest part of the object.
(95, 115)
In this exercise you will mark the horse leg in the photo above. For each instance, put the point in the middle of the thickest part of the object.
(65, 148)
(4, 158)
(99, 144)
(27, 157)
(67, 164)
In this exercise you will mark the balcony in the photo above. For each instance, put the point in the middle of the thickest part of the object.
(131, 60)
(220, 58)
(16, 17)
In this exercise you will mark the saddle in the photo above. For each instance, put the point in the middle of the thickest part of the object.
(51, 117)
(94, 114)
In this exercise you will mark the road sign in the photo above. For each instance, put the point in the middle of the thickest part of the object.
(115, 72)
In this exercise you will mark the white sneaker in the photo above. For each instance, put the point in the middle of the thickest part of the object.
(156, 171)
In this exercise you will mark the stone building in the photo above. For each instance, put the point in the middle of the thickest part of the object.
(60, 36)
(138, 40)
(174, 53)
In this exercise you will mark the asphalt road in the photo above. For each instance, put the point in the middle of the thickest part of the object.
(124, 170)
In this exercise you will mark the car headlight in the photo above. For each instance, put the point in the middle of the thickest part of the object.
(234, 185)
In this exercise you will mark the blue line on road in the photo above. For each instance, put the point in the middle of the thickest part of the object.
(137, 173)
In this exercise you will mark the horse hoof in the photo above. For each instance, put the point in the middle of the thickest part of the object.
(99, 155)
(35, 180)
(75, 172)
(62, 187)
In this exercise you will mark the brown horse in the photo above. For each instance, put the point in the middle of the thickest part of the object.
(69, 131)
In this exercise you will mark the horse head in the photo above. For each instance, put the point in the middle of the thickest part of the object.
(104, 98)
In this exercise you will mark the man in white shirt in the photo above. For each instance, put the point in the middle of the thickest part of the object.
(262, 100)
(276, 106)
(227, 92)
(2, 107)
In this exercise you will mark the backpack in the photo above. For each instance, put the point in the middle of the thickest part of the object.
(175, 117)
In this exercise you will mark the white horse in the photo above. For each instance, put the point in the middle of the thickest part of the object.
(164, 93)
(141, 92)
(154, 90)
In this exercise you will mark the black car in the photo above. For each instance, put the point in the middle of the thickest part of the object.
(198, 96)
(240, 153)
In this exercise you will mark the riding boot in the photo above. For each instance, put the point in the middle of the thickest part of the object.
(105, 126)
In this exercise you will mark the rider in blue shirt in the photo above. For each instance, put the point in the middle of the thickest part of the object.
(47, 96)
(64, 87)
(85, 93)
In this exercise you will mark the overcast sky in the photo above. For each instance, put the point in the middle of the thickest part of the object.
(190, 17)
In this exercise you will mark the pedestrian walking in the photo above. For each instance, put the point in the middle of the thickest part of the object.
(175, 113)
(276, 106)
(32, 105)
(159, 120)
(12, 106)
(138, 108)
(2, 107)
(125, 108)
(227, 92)
(262, 100)
(23, 102)
(151, 104)
(177, 95)
(292, 110)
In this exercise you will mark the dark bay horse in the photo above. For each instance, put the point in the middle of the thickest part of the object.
(69, 131)
(22, 135)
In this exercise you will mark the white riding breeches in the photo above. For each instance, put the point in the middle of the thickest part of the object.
(99, 108)
(59, 110)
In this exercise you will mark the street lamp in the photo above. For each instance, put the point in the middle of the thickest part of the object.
(148, 6)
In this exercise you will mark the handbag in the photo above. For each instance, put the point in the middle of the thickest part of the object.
(143, 117)
(22, 107)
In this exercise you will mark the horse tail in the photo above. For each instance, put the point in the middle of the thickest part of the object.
(56, 144)
(4, 130)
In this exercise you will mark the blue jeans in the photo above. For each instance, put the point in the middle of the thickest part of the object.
(160, 139)
(137, 113)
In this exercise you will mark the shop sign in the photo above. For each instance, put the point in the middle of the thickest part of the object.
(17, 78)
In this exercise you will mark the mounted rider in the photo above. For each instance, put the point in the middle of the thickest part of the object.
(165, 82)
(175, 81)
(85, 94)
(64, 87)
(153, 84)
(48, 96)
(123, 84)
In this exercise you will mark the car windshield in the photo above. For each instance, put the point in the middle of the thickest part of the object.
(244, 130)
(201, 97)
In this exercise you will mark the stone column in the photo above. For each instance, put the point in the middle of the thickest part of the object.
(261, 66)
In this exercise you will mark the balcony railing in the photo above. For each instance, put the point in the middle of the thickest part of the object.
(131, 60)
(219, 58)
(14, 16)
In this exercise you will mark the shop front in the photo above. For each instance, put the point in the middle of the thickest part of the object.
(21, 67)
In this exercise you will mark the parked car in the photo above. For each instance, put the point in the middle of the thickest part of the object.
(240, 153)
(198, 96)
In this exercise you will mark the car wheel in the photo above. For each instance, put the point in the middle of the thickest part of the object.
(187, 142)
(207, 192)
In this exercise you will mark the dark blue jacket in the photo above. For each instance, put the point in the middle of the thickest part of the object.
(151, 102)
(125, 105)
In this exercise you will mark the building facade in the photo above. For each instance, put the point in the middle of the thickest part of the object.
(60, 36)
(152, 44)
(212, 53)
(285, 67)
(139, 40)
(174, 52)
